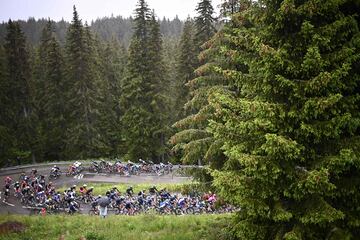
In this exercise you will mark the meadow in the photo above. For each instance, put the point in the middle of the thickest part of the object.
(144, 227)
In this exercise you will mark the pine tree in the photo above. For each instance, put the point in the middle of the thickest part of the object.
(18, 92)
(204, 24)
(51, 100)
(230, 7)
(136, 118)
(192, 140)
(159, 85)
(7, 140)
(82, 81)
(143, 119)
(291, 133)
(186, 64)
(113, 62)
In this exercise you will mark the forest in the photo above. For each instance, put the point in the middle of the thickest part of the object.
(41, 55)
(266, 95)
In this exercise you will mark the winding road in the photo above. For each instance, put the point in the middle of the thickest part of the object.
(13, 205)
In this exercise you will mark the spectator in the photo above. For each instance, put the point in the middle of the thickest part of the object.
(103, 204)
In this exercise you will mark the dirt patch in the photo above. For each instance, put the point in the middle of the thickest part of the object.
(11, 227)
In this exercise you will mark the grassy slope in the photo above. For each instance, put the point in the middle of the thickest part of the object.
(119, 227)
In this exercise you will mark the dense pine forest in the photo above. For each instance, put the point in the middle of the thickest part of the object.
(105, 28)
(266, 95)
(68, 88)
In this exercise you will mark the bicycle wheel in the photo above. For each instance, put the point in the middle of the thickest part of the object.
(93, 212)
(190, 210)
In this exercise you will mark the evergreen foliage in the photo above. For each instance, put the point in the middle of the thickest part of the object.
(186, 64)
(192, 141)
(106, 28)
(291, 130)
(204, 23)
(144, 120)
(49, 75)
(230, 7)
(113, 61)
(83, 138)
(17, 95)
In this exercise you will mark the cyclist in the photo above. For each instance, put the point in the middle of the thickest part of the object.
(33, 173)
(16, 188)
(142, 193)
(72, 207)
(56, 197)
(55, 171)
(116, 190)
(182, 202)
(130, 191)
(83, 189)
(8, 180)
(129, 207)
(7, 192)
(153, 190)
(89, 192)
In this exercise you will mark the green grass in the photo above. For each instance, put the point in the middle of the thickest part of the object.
(101, 188)
(142, 227)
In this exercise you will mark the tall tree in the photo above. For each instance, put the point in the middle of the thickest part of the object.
(204, 23)
(159, 86)
(18, 91)
(113, 62)
(186, 64)
(230, 7)
(136, 119)
(7, 141)
(192, 140)
(291, 134)
(142, 89)
(82, 80)
(50, 92)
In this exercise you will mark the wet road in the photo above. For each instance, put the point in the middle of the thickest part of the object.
(13, 205)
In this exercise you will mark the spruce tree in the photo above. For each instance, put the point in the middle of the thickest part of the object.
(142, 99)
(192, 140)
(7, 141)
(230, 7)
(204, 23)
(113, 62)
(136, 118)
(186, 64)
(18, 91)
(159, 86)
(83, 138)
(291, 132)
(51, 102)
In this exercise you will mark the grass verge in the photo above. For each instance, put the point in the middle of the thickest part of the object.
(143, 227)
